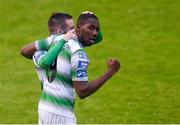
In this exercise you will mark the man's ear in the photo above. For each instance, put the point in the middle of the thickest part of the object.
(58, 30)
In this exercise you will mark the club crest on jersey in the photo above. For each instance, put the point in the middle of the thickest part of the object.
(81, 73)
(83, 64)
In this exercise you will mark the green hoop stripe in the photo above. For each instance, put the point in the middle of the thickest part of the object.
(64, 79)
(43, 44)
(58, 101)
(65, 54)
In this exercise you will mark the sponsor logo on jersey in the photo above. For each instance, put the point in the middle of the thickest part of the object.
(83, 64)
(81, 73)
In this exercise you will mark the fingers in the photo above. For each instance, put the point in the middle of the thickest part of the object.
(118, 64)
(113, 60)
(70, 35)
(71, 31)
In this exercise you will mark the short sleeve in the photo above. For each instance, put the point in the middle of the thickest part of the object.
(37, 57)
(42, 44)
(79, 65)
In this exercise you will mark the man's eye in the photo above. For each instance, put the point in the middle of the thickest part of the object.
(91, 28)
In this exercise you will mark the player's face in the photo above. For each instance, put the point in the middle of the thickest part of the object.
(69, 25)
(88, 31)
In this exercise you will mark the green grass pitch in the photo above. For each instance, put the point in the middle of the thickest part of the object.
(143, 34)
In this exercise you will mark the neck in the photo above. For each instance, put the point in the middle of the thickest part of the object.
(80, 40)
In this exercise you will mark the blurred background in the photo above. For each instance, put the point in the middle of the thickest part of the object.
(143, 34)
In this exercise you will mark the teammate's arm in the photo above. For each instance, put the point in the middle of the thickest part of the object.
(53, 52)
(85, 88)
(28, 50)
(44, 59)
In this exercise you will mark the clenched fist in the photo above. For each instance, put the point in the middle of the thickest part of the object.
(113, 66)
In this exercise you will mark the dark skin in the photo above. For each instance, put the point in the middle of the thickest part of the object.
(87, 32)
(85, 88)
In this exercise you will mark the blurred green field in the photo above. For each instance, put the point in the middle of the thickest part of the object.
(143, 34)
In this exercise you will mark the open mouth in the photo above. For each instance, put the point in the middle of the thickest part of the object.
(92, 41)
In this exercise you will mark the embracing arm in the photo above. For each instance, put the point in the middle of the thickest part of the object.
(43, 44)
(28, 50)
(53, 52)
(85, 88)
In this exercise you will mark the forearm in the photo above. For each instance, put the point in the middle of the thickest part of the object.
(94, 85)
(52, 54)
(28, 50)
(89, 88)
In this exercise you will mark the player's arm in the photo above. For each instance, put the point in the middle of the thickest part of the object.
(53, 52)
(29, 49)
(43, 59)
(79, 64)
(85, 88)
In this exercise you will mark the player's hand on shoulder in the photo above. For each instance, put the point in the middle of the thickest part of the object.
(70, 35)
(113, 65)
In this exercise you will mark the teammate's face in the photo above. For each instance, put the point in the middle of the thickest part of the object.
(88, 31)
(69, 24)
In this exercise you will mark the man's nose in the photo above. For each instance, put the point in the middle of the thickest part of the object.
(95, 33)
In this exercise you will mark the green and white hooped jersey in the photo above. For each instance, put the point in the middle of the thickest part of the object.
(59, 95)
(40, 71)
(42, 46)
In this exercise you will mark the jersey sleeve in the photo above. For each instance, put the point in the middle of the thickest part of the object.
(42, 44)
(45, 44)
(52, 54)
(38, 55)
(79, 65)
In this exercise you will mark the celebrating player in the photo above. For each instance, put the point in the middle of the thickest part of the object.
(56, 105)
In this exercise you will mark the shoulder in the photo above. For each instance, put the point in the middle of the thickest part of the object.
(80, 57)
(73, 46)
(57, 37)
(43, 44)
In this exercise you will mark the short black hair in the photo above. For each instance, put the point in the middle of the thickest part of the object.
(58, 19)
(83, 17)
